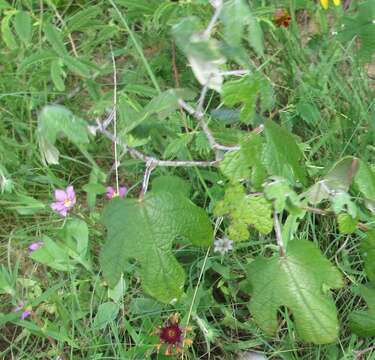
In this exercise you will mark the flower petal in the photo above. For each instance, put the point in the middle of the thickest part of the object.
(25, 314)
(110, 192)
(71, 194)
(57, 206)
(122, 191)
(60, 195)
(35, 246)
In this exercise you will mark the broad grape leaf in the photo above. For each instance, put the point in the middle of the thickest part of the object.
(246, 92)
(363, 322)
(246, 162)
(283, 156)
(244, 210)
(145, 230)
(172, 184)
(367, 249)
(362, 26)
(299, 281)
(54, 120)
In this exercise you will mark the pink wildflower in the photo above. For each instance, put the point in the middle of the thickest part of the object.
(35, 246)
(65, 200)
(111, 192)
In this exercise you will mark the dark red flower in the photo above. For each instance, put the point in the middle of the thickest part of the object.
(171, 334)
(281, 17)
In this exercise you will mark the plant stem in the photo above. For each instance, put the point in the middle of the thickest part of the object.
(279, 239)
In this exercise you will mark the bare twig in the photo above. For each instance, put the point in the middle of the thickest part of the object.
(218, 5)
(168, 163)
(279, 239)
(235, 72)
(150, 165)
(114, 114)
(360, 225)
(360, 353)
(200, 118)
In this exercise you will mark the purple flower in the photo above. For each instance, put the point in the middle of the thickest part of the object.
(65, 200)
(25, 314)
(26, 311)
(111, 192)
(35, 246)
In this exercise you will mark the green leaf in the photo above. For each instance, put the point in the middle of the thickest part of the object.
(5, 283)
(244, 210)
(347, 224)
(246, 162)
(296, 281)
(6, 32)
(53, 255)
(54, 38)
(234, 16)
(338, 179)
(365, 181)
(204, 55)
(256, 36)
(362, 322)
(54, 120)
(342, 202)
(76, 66)
(107, 313)
(284, 156)
(361, 26)
(76, 235)
(244, 91)
(23, 26)
(57, 75)
(145, 230)
(4, 5)
(283, 196)
(367, 249)
(172, 184)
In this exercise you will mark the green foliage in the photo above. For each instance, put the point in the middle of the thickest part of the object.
(145, 230)
(363, 322)
(54, 120)
(203, 54)
(234, 16)
(283, 156)
(300, 281)
(283, 197)
(172, 184)
(347, 224)
(361, 26)
(107, 312)
(244, 210)
(247, 91)
(246, 162)
(22, 23)
(367, 249)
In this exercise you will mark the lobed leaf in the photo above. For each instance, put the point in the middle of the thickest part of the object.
(145, 230)
(296, 281)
